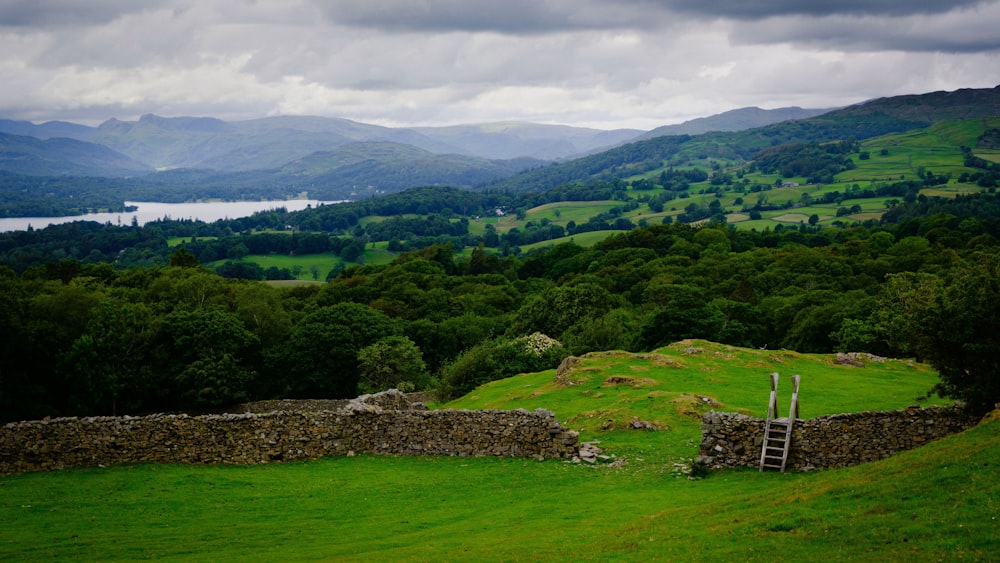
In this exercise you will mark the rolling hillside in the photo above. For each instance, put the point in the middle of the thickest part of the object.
(63, 157)
(864, 121)
(733, 120)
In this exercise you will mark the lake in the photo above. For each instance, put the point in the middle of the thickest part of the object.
(151, 211)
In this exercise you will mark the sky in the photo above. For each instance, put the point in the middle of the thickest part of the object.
(605, 64)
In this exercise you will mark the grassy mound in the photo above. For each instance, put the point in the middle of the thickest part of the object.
(602, 393)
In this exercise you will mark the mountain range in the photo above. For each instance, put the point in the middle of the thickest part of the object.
(339, 158)
(274, 143)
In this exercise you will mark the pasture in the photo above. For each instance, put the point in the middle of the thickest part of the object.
(935, 503)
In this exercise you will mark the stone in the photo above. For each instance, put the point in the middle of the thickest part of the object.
(830, 441)
(360, 426)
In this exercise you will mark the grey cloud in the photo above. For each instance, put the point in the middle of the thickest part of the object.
(534, 16)
(45, 13)
(509, 16)
(572, 61)
(972, 31)
(760, 9)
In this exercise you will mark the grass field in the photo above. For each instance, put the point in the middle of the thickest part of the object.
(306, 265)
(935, 503)
(582, 239)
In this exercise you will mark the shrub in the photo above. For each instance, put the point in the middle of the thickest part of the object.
(498, 359)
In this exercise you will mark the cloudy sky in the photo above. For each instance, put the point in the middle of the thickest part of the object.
(597, 63)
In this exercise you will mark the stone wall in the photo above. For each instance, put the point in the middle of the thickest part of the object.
(362, 426)
(841, 440)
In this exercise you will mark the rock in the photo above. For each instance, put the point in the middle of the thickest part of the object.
(637, 424)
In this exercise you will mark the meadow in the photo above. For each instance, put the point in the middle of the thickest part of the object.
(935, 503)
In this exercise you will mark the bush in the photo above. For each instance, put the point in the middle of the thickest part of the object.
(498, 359)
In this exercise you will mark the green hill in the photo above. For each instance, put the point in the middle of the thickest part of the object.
(933, 503)
(863, 121)
(63, 157)
(733, 120)
(673, 386)
(391, 167)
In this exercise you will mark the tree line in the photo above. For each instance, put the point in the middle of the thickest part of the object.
(93, 338)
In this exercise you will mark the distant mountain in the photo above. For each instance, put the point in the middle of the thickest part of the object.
(733, 120)
(356, 170)
(381, 167)
(63, 157)
(271, 142)
(863, 121)
(189, 142)
(512, 139)
(339, 154)
(47, 130)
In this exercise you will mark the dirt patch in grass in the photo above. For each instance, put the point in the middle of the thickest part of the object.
(693, 406)
(659, 360)
(630, 381)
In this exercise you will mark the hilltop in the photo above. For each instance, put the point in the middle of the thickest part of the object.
(602, 393)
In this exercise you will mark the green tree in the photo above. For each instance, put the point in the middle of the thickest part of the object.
(206, 357)
(555, 310)
(954, 324)
(182, 258)
(499, 358)
(684, 312)
(392, 362)
(319, 360)
(111, 359)
(616, 330)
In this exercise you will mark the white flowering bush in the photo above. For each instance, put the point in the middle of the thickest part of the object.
(497, 359)
(538, 344)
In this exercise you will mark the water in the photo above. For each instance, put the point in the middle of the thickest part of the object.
(151, 211)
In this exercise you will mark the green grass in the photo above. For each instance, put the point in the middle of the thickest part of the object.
(583, 239)
(177, 241)
(935, 503)
(376, 253)
(304, 263)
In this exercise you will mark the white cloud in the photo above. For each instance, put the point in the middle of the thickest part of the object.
(612, 63)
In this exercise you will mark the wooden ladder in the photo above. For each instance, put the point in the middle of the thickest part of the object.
(778, 431)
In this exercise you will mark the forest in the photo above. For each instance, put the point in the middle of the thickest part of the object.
(89, 338)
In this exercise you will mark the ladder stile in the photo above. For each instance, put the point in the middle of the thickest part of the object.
(772, 411)
(778, 431)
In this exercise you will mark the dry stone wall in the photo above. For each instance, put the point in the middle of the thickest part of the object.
(841, 440)
(362, 426)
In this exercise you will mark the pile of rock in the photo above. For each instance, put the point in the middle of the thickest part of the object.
(590, 453)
